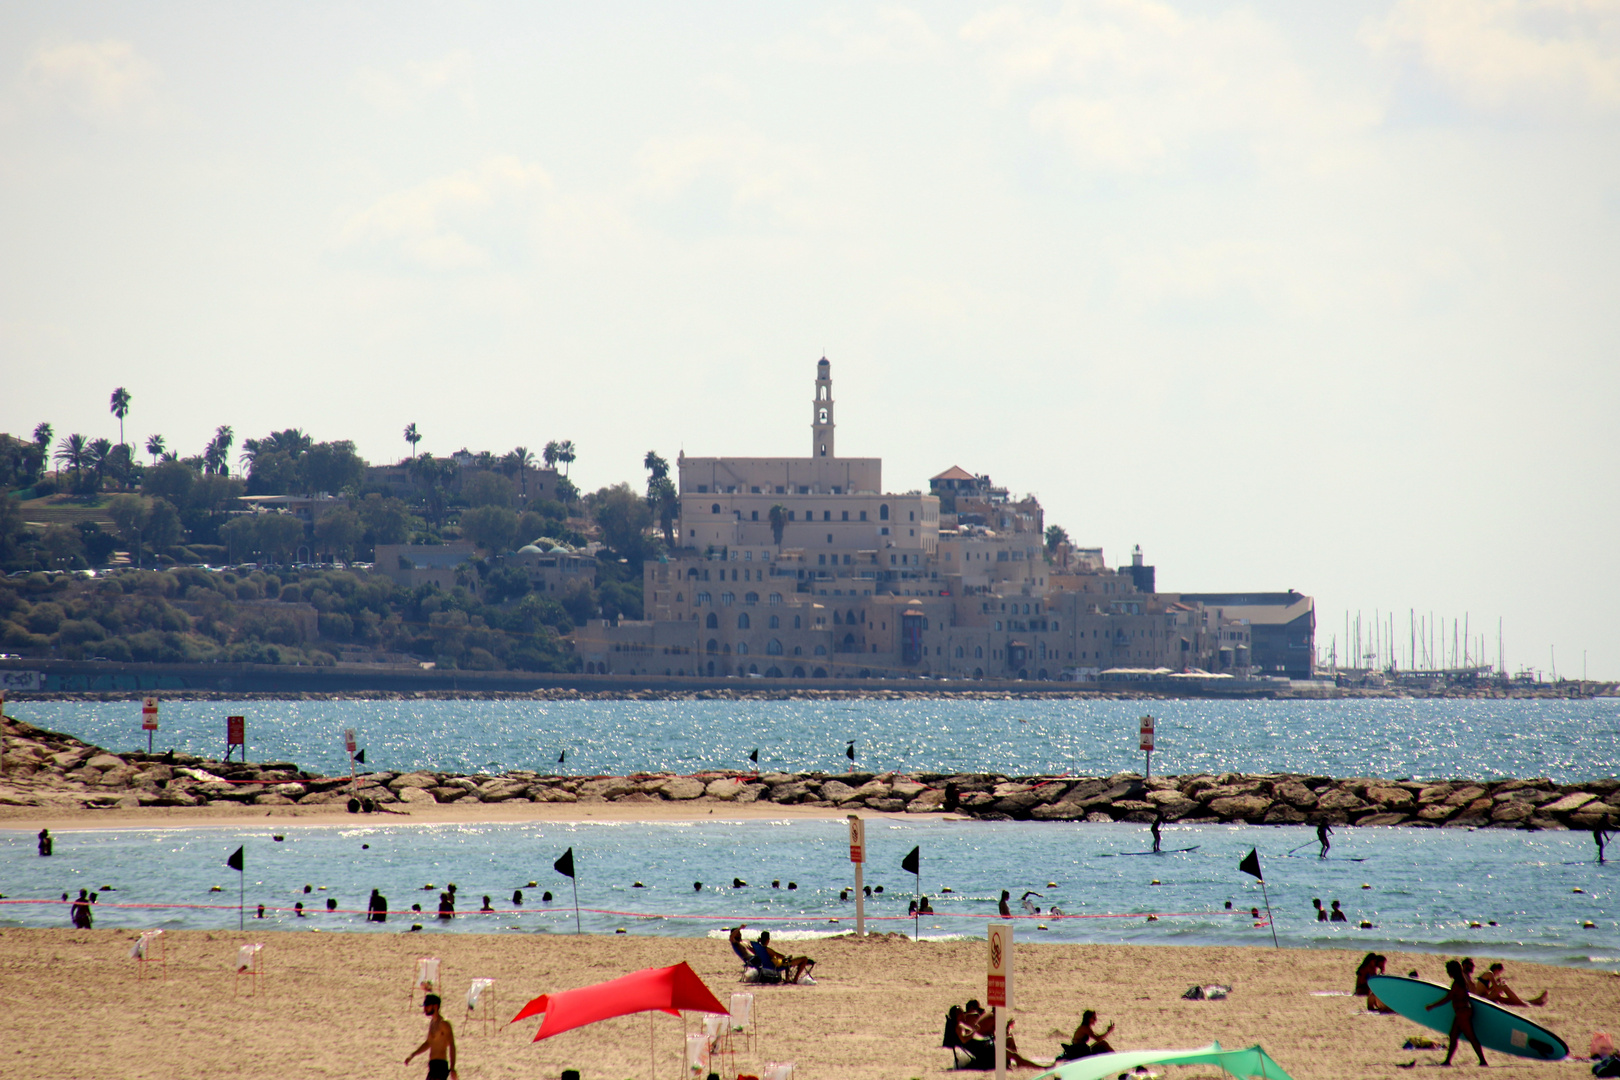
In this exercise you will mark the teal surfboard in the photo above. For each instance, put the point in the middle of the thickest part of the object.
(1498, 1029)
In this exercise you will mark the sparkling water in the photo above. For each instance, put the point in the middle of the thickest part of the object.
(1529, 893)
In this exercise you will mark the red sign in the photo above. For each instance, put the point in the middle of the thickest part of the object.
(1147, 733)
(234, 733)
(149, 714)
(999, 966)
(996, 992)
(857, 840)
(348, 739)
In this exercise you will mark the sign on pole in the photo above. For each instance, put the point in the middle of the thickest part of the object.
(349, 745)
(1146, 744)
(149, 720)
(998, 987)
(235, 735)
(857, 855)
(348, 740)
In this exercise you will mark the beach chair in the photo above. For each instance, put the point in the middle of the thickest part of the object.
(426, 980)
(752, 972)
(763, 964)
(481, 1004)
(249, 964)
(150, 948)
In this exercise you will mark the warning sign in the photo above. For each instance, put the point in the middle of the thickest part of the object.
(149, 714)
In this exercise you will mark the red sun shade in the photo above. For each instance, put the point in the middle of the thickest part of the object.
(671, 990)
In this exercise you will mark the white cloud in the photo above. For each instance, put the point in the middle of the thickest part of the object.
(1134, 85)
(888, 35)
(1501, 52)
(396, 92)
(758, 180)
(102, 81)
(453, 222)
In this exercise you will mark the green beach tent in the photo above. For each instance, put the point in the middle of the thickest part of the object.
(1250, 1064)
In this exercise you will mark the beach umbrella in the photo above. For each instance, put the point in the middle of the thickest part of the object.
(668, 990)
(1251, 1063)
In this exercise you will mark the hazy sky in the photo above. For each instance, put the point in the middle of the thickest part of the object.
(1295, 296)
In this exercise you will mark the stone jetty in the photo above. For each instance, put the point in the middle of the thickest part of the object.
(49, 770)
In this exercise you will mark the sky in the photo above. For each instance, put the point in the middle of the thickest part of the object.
(1322, 297)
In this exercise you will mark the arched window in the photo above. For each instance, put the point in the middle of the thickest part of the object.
(776, 598)
(849, 641)
(773, 647)
(821, 650)
(798, 673)
(822, 416)
(713, 646)
(679, 598)
(751, 598)
(728, 598)
(883, 512)
(798, 650)
(703, 598)
(795, 622)
(715, 509)
(776, 622)
(837, 618)
(851, 619)
(742, 621)
(712, 622)
(959, 652)
(978, 652)
(742, 648)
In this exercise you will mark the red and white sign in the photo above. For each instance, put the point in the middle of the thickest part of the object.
(857, 839)
(149, 714)
(1147, 733)
(348, 739)
(1000, 964)
(235, 733)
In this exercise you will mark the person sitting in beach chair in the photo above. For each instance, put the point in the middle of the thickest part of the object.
(752, 971)
(1087, 1041)
(791, 968)
(976, 1042)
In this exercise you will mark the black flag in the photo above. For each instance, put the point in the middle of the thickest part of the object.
(754, 757)
(912, 863)
(235, 861)
(1251, 864)
(360, 757)
(565, 865)
(561, 756)
(849, 751)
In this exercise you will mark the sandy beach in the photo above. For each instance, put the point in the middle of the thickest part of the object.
(338, 1005)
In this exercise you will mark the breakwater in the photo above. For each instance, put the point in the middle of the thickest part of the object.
(48, 769)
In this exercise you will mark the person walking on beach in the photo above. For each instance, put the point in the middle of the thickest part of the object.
(440, 1043)
(1158, 819)
(1462, 1012)
(1323, 831)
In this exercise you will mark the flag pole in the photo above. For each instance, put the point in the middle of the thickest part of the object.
(916, 916)
(1269, 920)
(577, 931)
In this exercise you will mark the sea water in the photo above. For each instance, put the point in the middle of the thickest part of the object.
(1566, 740)
(1531, 894)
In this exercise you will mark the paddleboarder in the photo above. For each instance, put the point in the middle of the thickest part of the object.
(1158, 818)
(1462, 1012)
(1323, 831)
(1599, 836)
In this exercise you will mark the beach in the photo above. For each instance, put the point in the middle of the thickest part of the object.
(339, 1005)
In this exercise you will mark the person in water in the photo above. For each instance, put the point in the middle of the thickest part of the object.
(1600, 836)
(1337, 914)
(1003, 910)
(1323, 831)
(1158, 819)
(1462, 1012)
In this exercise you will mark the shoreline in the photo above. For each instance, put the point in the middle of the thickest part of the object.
(336, 1004)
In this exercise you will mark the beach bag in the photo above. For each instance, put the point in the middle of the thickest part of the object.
(1602, 1045)
(1609, 1066)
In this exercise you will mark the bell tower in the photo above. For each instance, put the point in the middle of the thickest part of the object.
(821, 426)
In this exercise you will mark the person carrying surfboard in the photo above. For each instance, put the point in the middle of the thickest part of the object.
(1462, 1012)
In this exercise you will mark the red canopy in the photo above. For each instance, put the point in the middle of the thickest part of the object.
(669, 990)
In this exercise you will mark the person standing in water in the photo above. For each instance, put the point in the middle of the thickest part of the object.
(1158, 819)
(1323, 831)
(1600, 835)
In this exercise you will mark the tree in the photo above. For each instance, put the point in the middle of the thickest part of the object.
(101, 459)
(217, 454)
(129, 515)
(338, 530)
(386, 519)
(493, 528)
(412, 436)
(524, 460)
(665, 503)
(623, 519)
(42, 445)
(778, 522)
(154, 446)
(565, 454)
(549, 454)
(73, 451)
(332, 467)
(1056, 535)
(120, 409)
(279, 535)
(170, 480)
(487, 489)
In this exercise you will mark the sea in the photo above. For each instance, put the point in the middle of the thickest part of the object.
(1500, 893)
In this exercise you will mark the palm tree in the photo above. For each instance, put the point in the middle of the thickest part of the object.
(120, 409)
(549, 454)
(73, 452)
(101, 456)
(412, 436)
(778, 522)
(524, 460)
(217, 454)
(565, 454)
(42, 450)
(663, 501)
(154, 446)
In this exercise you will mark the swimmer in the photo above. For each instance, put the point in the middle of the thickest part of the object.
(1030, 908)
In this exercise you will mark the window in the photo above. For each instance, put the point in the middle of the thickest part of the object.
(821, 416)
(703, 598)
(751, 598)
(776, 622)
(703, 489)
(715, 509)
(773, 647)
(755, 512)
(742, 648)
(959, 652)
(754, 489)
(822, 559)
(913, 515)
(978, 652)
(712, 622)
(821, 650)
(727, 599)
(713, 646)
(884, 531)
(846, 515)
(776, 598)
(883, 512)
(796, 626)
(679, 598)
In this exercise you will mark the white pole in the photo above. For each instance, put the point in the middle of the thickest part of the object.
(860, 903)
(1001, 1043)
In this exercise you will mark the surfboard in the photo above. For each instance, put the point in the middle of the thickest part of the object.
(1330, 858)
(1166, 851)
(1498, 1029)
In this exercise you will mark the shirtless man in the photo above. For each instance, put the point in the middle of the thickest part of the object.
(1462, 1011)
(440, 1043)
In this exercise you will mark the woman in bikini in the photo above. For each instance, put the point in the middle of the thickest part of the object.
(1462, 1012)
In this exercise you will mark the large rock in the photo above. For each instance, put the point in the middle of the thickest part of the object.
(1512, 810)
(1062, 810)
(267, 798)
(725, 789)
(836, 791)
(1436, 812)
(1241, 807)
(928, 802)
(1569, 803)
(1383, 819)
(1433, 793)
(1296, 794)
(1172, 803)
(904, 788)
(683, 788)
(422, 796)
(1464, 795)
(106, 761)
(1391, 798)
(498, 790)
(607, 788)
(1230, 791)
(412, 780)
(1283, 814)
(1018, 804)
(1339, 800)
